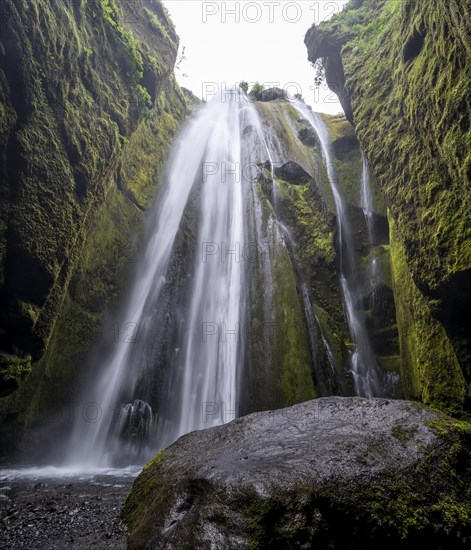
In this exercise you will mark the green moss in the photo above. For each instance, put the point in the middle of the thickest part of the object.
(390, 363)
(447, 512)
(257, 517)
(309, 213)
(277, 324)
(404, 511)
(280, 117)
(143, 161)
(407, 67)
(430, 369)
(14, 368)
(383, 262)
(290, 345)
(338, 126)
(109, 254)
(112, 14)
(158, 26)
(337, 341)
(444, 425)
(400, 433)
(303, 211)
(144, 485)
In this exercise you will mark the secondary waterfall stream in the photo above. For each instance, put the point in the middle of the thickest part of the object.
(365, 369)
(366, 203)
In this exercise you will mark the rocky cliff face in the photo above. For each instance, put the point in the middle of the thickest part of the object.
(88, 108)
(403, 68)
(302, 201)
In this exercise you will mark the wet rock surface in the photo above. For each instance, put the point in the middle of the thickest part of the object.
(293, 173)
(330, 473)
(72, 513)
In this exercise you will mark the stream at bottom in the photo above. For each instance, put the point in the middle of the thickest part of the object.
(51, 508)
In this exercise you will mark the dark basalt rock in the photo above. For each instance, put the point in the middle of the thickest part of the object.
(329, 473)
(323, 44)
(134, 421)
(248, 130)
(293, 173)
(344, 146)
(308, 136)
(273, 94)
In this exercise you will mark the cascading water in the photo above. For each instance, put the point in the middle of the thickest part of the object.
(365, 369)
(192, 293)
(366, 198)
(211, 348)
(366, 203)
(207, 158)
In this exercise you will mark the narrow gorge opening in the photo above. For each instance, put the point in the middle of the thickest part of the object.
(238, 321)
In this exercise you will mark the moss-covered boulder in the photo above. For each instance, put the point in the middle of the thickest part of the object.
(403, 68)
(330, 473)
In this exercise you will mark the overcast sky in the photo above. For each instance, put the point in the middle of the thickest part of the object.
(226, 42)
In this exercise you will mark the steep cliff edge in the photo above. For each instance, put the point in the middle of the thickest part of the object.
(88, 108)
(402, 72)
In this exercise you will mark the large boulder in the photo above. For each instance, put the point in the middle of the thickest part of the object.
(308, 136)
(329, 473)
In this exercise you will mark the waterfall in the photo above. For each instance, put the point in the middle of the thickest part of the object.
(366, 203)
(212, 346)
(365, 369)
(194, 294)
(373, 276)
(206, 162)
(366, 197)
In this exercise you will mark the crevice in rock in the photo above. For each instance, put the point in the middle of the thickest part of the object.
(413, 46)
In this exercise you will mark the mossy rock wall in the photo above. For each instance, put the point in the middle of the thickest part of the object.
(307, 210)
(404, 70)
(275, 339)
(425, 347)
(89, 108)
